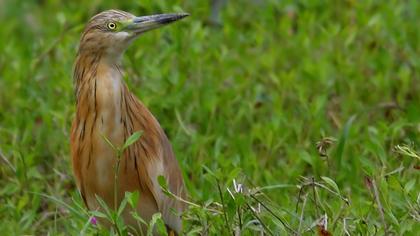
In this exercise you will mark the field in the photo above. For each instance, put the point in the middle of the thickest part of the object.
(287, 117)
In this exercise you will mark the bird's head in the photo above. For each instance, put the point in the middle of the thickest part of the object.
(110, 32)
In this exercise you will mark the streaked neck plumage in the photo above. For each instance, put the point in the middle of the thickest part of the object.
(91, 66)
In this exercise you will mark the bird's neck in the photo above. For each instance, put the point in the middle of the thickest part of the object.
(94, 69)
(100, 92)
(98, 76)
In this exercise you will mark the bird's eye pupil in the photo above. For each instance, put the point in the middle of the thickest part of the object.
(111, 25)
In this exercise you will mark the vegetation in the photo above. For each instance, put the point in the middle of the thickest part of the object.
(287, 117)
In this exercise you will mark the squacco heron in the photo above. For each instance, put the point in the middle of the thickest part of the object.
(106, 108)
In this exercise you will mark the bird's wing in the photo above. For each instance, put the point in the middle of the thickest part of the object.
(155, 159)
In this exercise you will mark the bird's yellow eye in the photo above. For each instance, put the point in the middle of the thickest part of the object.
(112, 26)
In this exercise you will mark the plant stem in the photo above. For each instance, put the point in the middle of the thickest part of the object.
(223, 206)
(379, 204)
(116, 189)
(301, 214)
(116, 174)
(259, 219)
(273, 214)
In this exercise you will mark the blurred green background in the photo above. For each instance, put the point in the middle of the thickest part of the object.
(278, 95)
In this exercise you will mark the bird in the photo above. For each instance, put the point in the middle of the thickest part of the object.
(105, 108)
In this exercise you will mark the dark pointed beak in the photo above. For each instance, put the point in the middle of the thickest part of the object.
(145, 23)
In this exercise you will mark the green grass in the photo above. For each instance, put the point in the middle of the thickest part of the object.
(247, 101)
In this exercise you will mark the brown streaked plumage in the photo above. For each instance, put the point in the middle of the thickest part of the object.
(106, 107)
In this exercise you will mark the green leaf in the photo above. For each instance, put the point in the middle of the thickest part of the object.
(208, 170)
(331, 183)
(122, 206)
(157, 223)
(196, 230)
(121, 225)
(163, 184)
(104, 206)
(392, 217)
(98, 214)
(393, 183)
(133, 198)
(138, 218)
(233, 174)
(109, 142)
(62, 203)
(342, 141)
(132, 139)
(409, 185)
(307, 157)
(240, 199)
